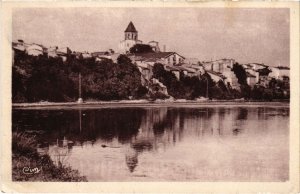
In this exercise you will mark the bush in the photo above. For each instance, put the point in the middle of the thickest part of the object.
(141, 48)
(24, 154)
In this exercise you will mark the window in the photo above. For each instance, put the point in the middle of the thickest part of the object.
(174, 59)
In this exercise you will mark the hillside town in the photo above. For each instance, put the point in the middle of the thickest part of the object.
(145, 55)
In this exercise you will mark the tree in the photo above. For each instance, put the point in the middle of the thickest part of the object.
(106, 80)
(206, 84)
(123, 59)
(187, 87)
(141, 48)
(240, 73)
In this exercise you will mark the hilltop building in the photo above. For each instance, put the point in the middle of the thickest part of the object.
(35, 50)
(256, 66)
(251, 72)
(264, 77)
(224, 67)
(165, 58)
(154, 45)
(251, 79)
(130, 39)
(279, 72)
(19, 46)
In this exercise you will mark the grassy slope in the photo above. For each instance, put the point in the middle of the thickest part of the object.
(25, 155)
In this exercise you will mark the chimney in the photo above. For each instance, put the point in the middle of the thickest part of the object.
(164, 48)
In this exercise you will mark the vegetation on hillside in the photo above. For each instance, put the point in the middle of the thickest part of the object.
(24, 155)
(50, 79)
(276, 88)
(189, 87)
(37, 79)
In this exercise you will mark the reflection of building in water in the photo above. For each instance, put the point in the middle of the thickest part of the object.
(137, 146)
(60, 152)
(152, 126)
(131, 158)
(165, 126)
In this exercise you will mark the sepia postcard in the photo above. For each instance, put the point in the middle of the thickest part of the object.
(132, 96)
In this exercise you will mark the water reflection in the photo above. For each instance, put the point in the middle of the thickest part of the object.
(164, 143)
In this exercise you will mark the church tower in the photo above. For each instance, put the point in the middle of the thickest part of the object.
(131, 33)
(130, 39)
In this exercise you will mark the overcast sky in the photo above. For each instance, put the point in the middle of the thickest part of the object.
(247, 35)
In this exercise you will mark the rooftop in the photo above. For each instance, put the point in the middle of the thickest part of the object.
(153, 55)
(260, 64)
(130, 28)
(283, 67)
(172, 68)
(249, 74)
(216, 73)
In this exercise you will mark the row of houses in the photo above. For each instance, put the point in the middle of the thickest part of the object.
(261, 74)
(218, 70)
(34, 49)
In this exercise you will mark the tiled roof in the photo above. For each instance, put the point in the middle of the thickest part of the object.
(94, 54)
(249, 74)
(283, 67)
(264, 71)
(189, 70)
(224, 59)
(155, 56)
(142, 65)
(172, 68)
(261, 64)
(130, 28)
(216, 73)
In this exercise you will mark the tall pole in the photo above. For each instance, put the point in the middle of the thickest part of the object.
(80, 127)
(79, 88)
(206, 88)
(79, 85)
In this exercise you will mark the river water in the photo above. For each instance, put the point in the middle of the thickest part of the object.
(165, 144)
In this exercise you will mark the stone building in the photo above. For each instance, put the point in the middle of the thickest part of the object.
(279, 72)
(224, 67)
(154, 45)
(130, 39)
(251, 79)
(35, 50)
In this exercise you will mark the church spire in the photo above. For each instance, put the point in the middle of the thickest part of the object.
(130, 28)
(131, 33)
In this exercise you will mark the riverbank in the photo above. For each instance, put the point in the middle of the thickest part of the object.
(28, 165)
(147, 103)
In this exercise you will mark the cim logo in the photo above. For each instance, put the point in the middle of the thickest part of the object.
(28, 170)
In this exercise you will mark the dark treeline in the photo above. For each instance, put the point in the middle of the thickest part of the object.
(187, 87)
(41, 78)
(196, 86)
(50, 79)
(275, 90)
(193, 87)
